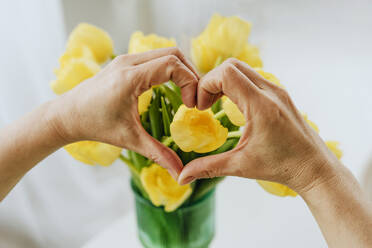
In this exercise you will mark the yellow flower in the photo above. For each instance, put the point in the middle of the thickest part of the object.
(333, 146)
(232, 111)
(93, 37)
(276, 188)
(195, 130)
(93, 153)
(251, 56)
(139, 43)
(76, 52)
(144, 101)
(72, 73)
(162, 189)
(224, 37)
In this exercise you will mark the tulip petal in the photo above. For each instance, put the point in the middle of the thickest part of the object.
(144, 101)
(276, 188)
(139, 43)
(72, 73)
(333, 146)
(162, 189)
(93, 37)
(195, 130)
(94, 153)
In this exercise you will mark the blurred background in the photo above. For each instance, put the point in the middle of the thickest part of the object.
(320, 50)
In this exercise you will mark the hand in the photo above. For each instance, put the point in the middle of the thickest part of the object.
(277, 144)
(104, 107)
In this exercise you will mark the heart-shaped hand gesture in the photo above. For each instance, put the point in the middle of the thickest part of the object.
(277, 144)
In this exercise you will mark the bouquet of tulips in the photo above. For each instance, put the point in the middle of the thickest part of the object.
(191, 133)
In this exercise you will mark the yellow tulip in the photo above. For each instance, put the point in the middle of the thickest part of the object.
(224, 37)
(251, 56)
(93, 37)
(144, 101)
(203, 56)
(196, 130)
(333, 146)
(76, 52)
(139, 43)
(162, 189)
(232, 111)
(72, 73)
(93, 153)
(276, 188)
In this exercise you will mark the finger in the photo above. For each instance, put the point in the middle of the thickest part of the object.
(163, 69)
(208, 167)
(140, 58)
(157, 152)
(228, 80)
(250, 73)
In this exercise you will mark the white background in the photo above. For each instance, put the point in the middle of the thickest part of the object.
(321, 51)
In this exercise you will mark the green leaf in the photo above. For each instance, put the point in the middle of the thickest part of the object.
(186, 157)
(227, 123)
(135, 173)
(138, 160)
(174, 99)
(156, 124)
(228, 145)
(145, 122)
(175, 88)
(204, 186)
(217, 106)
(166, 118)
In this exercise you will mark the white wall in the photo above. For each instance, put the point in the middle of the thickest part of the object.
(321, 51)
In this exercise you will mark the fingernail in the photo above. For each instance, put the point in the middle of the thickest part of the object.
(187, 180)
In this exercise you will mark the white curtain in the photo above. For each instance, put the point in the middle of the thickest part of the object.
(61, 202)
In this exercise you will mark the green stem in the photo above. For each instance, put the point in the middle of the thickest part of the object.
(234, 134)
(113, 56)
(130, 164)
(219, 114)
(167, 141)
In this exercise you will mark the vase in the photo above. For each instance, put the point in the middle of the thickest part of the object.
(190, 226)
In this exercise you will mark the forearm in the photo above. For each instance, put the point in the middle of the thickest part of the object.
(342, 211)
(26, 142)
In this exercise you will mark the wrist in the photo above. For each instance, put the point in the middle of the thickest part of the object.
(315, 174)
(325, 179)
(56, 119)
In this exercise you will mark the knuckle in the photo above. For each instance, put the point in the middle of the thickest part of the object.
(176, 51)
(228, 69)
(283, 95)
(121, 58)
(172, 60)
(207, 174)
(232, 61)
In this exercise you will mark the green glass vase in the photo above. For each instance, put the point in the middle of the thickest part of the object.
(190, 226)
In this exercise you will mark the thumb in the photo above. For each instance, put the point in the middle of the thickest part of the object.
(160, 154)
(207, 167)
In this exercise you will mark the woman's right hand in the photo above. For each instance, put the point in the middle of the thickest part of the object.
(104, 107)
(277, 144)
